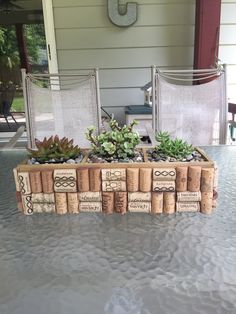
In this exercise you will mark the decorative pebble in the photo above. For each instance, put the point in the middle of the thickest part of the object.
(70, 161)
(138, 159)
(189, 157)
(79, 159)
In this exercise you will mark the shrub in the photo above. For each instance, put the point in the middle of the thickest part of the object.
(119, 142)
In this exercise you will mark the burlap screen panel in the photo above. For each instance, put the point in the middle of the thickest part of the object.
(65, 108)
(191, 112)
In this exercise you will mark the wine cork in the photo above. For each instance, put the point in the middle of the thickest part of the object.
(215, 195)
(206, 202)
(47, 181)
(113, 174)
(187, 206)
(139, 197)
(216, 176)
(95, 179)
(38, 208)
(90, 196)
(164, 174)
(38, 202)
(112, 186)
(83, 179)
(90, 207)
(169, 202)
(24, 182)
(73, 203)
(139, 207)
(194, 176)
(19, 201)
(145, 179)
(61, 203)
(20, 206)
(15, 174)
(36, 182)
(27, 204)
(121, 202)
(49, 200)
(181, 179)
(207, 179)
(65, 180)
(188, 196)
(108, 202)
(18, 197)
(157, 202)
(163, 186)
(43, 202)
(132, 179)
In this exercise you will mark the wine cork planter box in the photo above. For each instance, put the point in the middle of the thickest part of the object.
(149, 187)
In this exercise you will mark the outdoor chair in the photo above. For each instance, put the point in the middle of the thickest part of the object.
(6, 100)
(191, 104)
(232, 122)
(61, 104)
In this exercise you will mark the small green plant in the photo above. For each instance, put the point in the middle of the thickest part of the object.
(119, 142)
(176, 148)
(54, 148)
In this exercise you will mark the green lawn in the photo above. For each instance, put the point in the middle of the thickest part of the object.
(18, 104)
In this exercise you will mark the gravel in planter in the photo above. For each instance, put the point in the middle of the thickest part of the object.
(77, 160)
(93, 158)
(154, 156)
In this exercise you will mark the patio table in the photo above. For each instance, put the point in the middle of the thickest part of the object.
(136, 264)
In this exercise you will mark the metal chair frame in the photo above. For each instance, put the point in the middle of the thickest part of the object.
(194, 76)
(55, 80)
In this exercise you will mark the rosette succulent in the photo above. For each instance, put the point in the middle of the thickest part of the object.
(54, 149)
(176, 148)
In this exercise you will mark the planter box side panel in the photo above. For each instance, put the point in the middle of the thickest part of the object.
(119, 187)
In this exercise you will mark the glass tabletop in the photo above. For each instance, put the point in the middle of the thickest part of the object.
(136, 264)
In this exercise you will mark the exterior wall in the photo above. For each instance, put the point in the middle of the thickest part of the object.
(227, 49)
(163, 35)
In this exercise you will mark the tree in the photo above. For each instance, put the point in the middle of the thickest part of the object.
(35, 39)
(9, 55)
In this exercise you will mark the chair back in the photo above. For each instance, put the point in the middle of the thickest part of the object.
(191, 105)
(61, 104)
(7, 94)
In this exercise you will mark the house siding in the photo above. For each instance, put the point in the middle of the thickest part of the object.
(227, 48)
(163, 35)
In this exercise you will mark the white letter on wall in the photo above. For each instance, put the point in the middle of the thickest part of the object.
(129, 18)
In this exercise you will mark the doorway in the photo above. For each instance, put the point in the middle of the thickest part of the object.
(22, 45)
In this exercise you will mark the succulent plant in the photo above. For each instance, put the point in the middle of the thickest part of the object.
(54, 148)
(119, 142)
(176, 148)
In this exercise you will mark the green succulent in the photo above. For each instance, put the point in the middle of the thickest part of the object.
(54, 148)
(119, 142)
(176, 148)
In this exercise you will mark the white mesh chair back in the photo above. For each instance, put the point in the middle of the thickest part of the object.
(195, 112)
(62, 104)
